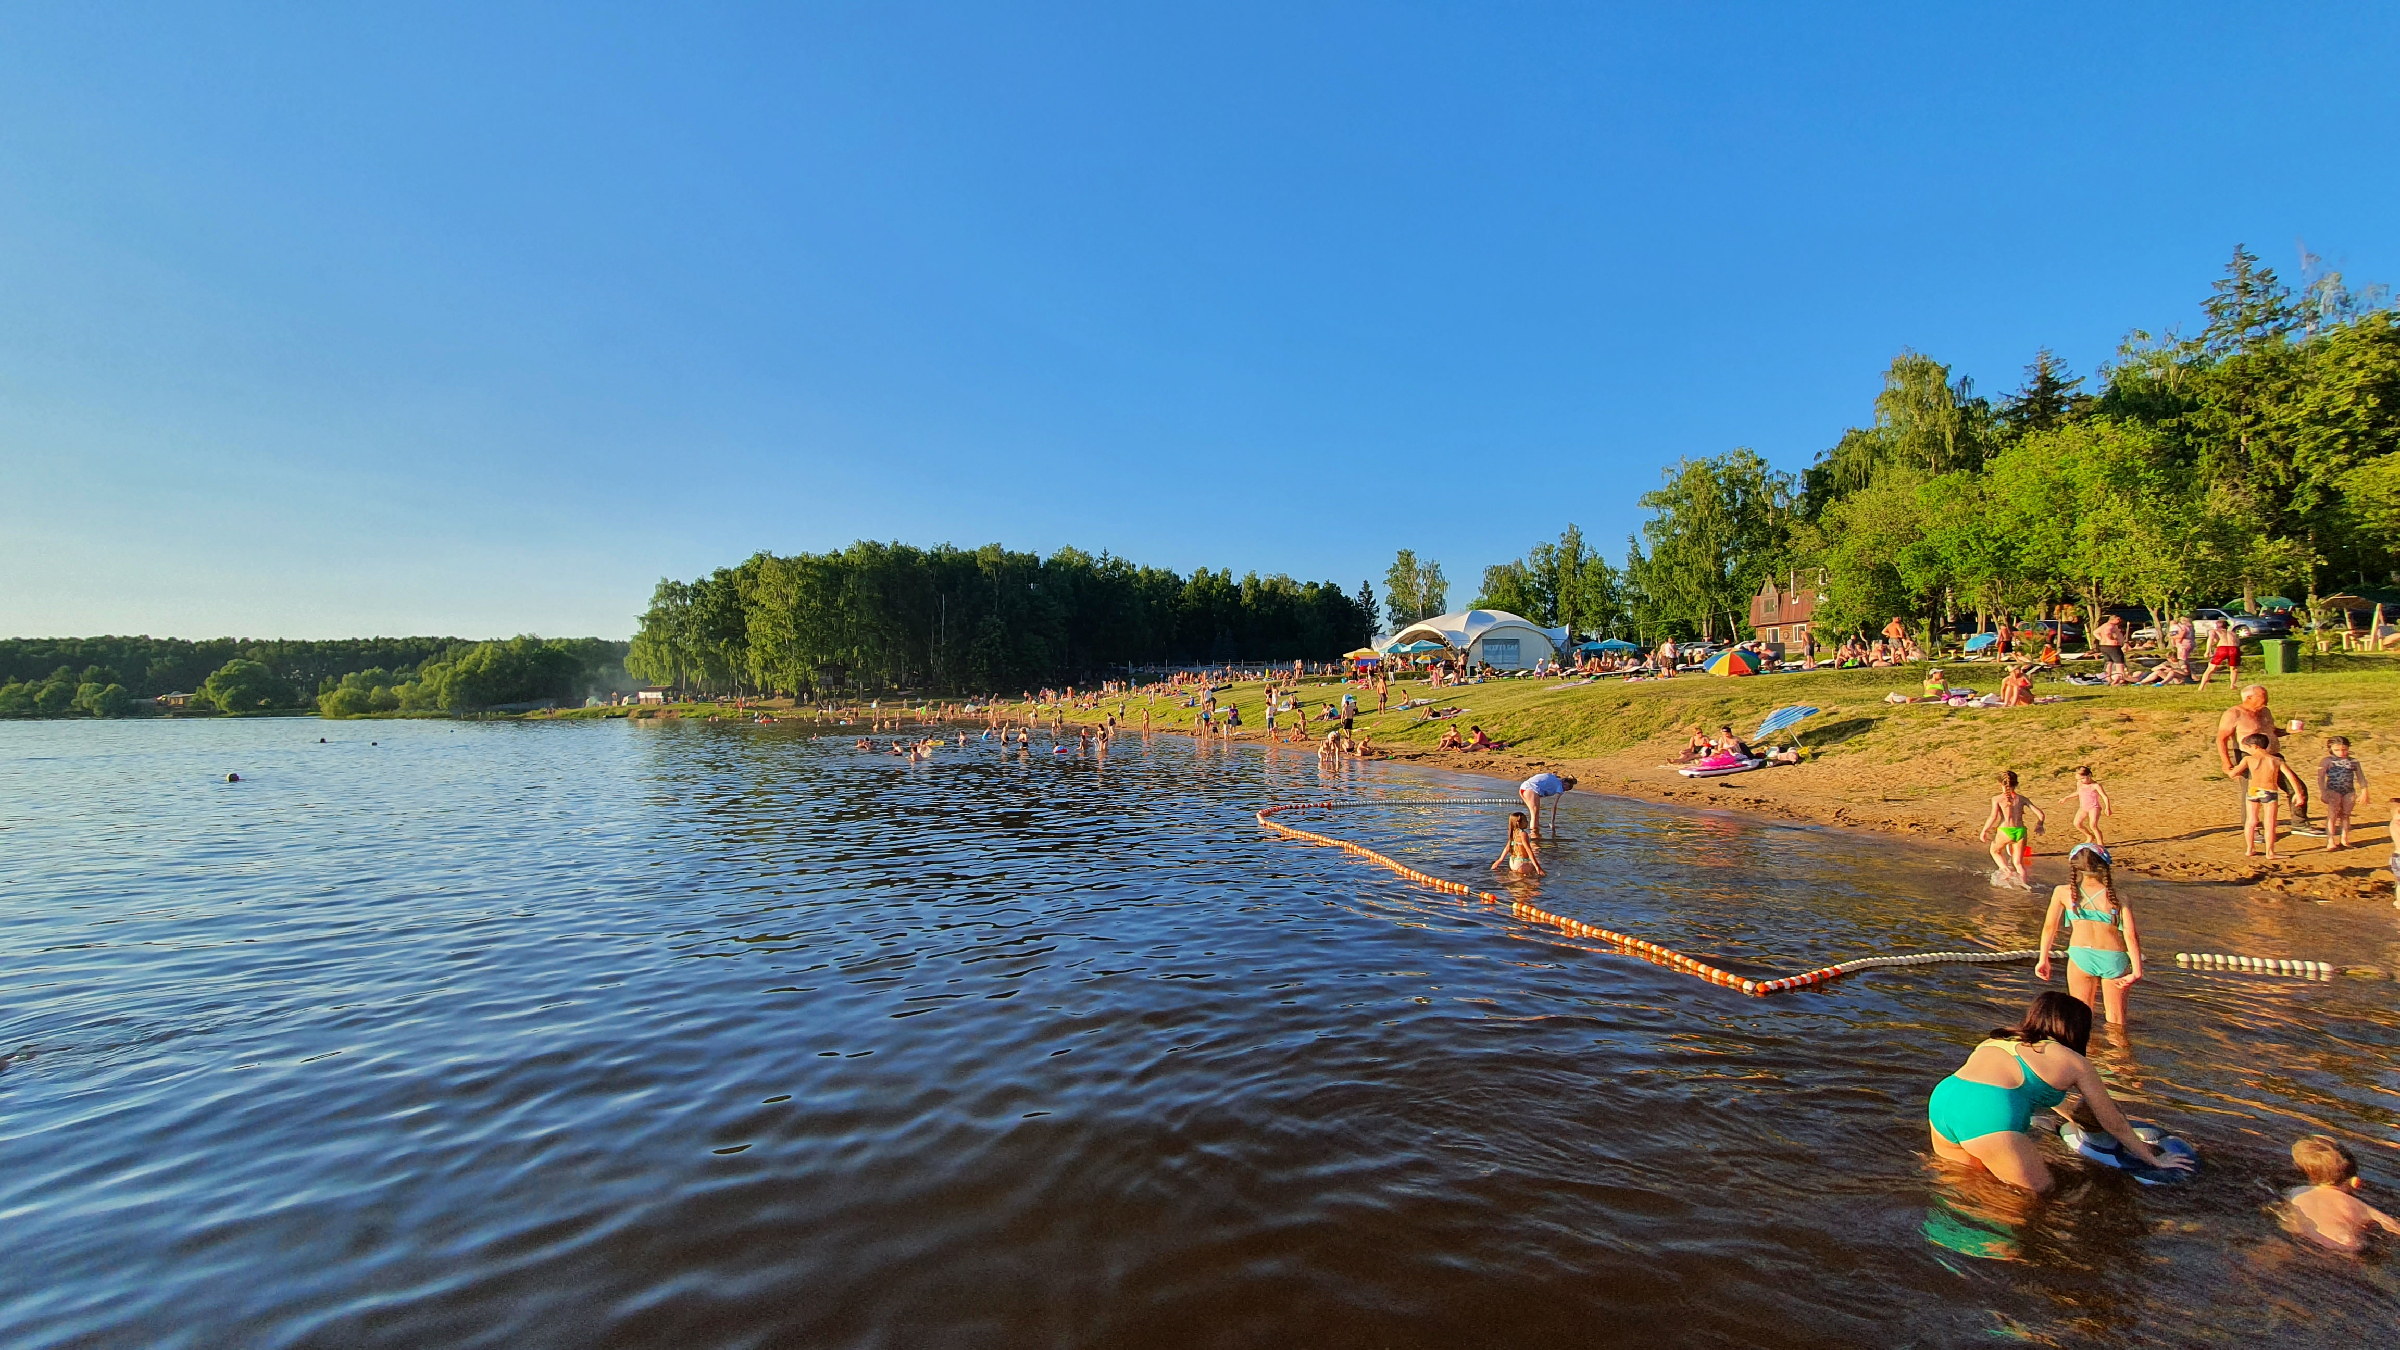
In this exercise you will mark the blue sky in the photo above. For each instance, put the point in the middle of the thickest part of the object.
(480, 320)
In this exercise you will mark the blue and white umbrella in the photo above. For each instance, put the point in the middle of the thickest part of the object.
(1981, 640)
(1782, 718)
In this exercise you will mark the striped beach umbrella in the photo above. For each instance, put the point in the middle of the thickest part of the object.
(1732, 661)
(1782, 718)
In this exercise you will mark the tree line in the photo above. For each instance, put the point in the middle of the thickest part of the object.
(2254, 456)
(104, 676)
(946, 619)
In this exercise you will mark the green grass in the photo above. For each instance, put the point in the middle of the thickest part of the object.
(2355, 695)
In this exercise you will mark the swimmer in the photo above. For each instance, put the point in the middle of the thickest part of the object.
(2104, 952)
(1983, 1113)
(2090, 804)
(1518, 855)
(2010, 848)
(2327, 1210)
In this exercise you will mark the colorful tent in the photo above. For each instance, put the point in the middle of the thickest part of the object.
(1733, 661)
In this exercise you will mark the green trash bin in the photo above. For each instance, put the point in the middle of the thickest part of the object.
(2283, 655)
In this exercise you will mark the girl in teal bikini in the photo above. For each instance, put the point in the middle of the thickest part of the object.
(2104, 953)
(1981, 1113)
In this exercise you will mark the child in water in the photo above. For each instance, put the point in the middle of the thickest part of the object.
(2090, 804)
(2328, 1210)
(2267, 775)
(2010, 848)
(1519, 855)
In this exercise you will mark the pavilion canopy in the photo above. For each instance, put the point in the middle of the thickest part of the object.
(1491, 637)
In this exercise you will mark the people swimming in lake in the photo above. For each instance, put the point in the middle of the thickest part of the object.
(2104, 952)
(1982, 1114)
(1518, 855)
(2005, 829)
(2327, 1211)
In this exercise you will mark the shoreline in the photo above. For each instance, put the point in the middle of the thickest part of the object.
(1922, 772)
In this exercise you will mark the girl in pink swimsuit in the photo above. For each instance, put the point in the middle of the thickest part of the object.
(2090, 804)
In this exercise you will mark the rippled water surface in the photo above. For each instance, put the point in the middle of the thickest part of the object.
(697, 1035)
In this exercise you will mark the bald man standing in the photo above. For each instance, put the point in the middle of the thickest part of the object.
(2252, 717)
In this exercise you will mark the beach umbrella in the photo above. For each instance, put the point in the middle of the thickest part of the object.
(2274, 602)
(1981, 640)
(1413, 648)
(1782, 718)
(1615, 645)
(1732, 661)
(1363, 654)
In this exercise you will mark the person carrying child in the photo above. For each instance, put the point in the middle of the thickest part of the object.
(2104, 953)
(2006, 830)
(2327, 1210)
(2268, 777)
(1519, 855)
(2090, 804)
(2342, 780)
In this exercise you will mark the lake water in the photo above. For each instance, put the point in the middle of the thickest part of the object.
(722, 1035)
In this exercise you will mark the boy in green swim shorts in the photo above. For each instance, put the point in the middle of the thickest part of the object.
(2011, 849)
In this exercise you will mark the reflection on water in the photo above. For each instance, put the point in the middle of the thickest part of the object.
(702, 1035)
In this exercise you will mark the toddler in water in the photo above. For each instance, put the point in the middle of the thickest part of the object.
(2090, 804)
(2341, 781)
(2327, 1210)
(1519, 855)
(2010, 849)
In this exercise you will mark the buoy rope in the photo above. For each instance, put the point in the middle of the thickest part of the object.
(1675, 960)
(2255, 965)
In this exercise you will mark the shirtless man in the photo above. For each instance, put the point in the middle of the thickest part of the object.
(2252, 717)
(2111, 642)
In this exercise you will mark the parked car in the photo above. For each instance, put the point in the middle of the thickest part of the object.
(2061, 631)
(2248, 626)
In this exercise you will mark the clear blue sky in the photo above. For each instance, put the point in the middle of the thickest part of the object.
(326, 320)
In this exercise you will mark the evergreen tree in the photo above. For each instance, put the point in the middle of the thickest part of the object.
(2047, 398)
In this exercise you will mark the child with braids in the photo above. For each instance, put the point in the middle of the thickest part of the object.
(2104, 953)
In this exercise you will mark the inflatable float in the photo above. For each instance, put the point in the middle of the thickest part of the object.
(1717, 766)
(2105, 1150)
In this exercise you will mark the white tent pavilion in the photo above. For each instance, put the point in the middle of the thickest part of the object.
(1492, 637)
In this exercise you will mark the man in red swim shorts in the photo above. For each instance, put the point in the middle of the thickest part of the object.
(2224, 653)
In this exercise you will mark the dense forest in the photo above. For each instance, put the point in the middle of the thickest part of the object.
(2259, 455)
(103, 676)
(979, 620)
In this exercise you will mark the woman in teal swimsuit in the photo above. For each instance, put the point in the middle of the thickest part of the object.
(2104, 953)
(1981, 1113)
